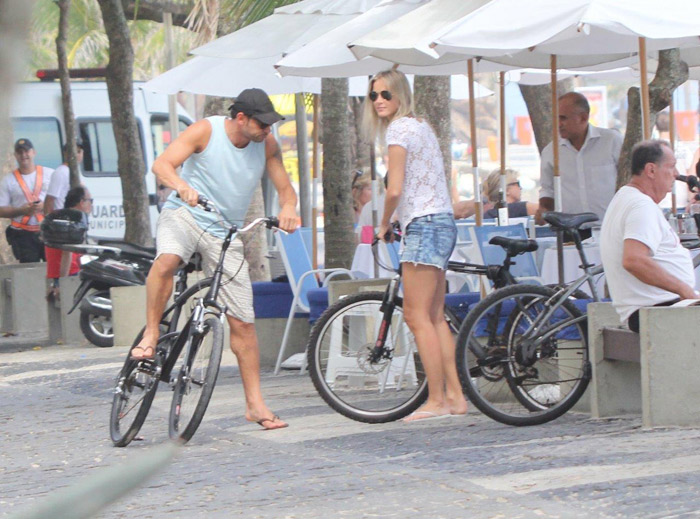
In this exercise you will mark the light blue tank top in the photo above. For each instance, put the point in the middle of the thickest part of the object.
(226, 175)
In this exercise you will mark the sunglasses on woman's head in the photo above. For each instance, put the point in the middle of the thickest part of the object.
(514, 184)
(374, 95)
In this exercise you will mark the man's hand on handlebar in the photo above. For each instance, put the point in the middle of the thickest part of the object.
(188, 195)
(287, 219)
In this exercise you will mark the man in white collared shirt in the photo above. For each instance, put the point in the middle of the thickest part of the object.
(588, 158)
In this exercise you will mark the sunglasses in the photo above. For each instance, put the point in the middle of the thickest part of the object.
(88, 200)
(356, 174)
(374, 95)
(513, 184)
(262, 125)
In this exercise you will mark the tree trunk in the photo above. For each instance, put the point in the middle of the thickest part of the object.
(538, 99)
(71, 155)
(121, 100)
(432, 97)
(359, 147)
(337, 192)
(254, 243)
(14, 27)
(670, 74)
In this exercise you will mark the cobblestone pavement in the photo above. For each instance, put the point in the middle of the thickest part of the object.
(54, 431)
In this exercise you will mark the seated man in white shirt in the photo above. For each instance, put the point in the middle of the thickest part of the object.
(645, 263)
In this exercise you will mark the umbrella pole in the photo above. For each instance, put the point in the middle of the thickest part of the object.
(555, 161)
(502, 130)
(646, 130)
(479, 206)
(314, 189)
(302, 159)
(672, 141)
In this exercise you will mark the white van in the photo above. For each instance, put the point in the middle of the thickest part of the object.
(37, 114)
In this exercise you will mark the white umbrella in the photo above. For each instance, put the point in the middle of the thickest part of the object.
(329, 55)
(227, 77)
(408, 39)
(572, 28)
(287, 29)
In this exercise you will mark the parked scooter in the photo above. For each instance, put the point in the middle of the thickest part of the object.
(119, 264)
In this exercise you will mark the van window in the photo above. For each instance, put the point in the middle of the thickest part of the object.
(100, 157)
(160, 131)
(45, 134)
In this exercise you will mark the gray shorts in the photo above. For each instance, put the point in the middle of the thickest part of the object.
(178, 234)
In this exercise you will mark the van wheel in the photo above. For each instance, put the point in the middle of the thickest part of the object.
(97, 329)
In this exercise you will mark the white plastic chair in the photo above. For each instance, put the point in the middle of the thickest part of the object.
(302, 278)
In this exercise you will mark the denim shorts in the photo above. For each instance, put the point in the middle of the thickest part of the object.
(430, 240)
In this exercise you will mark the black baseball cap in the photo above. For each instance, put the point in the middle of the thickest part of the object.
(23, 144)
(255, 103)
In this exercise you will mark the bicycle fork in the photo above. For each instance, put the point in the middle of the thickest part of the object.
(379, 352)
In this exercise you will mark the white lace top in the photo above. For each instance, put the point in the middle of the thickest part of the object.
(425, 185)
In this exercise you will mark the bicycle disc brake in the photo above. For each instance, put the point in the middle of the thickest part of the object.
(366, 360)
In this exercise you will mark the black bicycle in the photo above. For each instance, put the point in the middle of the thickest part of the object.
(362, 357)
(187, 355)
(522, 352)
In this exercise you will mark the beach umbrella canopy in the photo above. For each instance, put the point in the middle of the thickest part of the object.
(227, 77)
(572, 30)
(408, 40)
(329, 55)
(286, 30)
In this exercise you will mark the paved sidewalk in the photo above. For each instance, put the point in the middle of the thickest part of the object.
(54, 416)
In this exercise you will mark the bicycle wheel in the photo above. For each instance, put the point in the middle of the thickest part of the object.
(338, 351)
(134, 391)
(508, 376)
(196, 380)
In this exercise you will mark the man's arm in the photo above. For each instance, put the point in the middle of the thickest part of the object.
(546, 201)
(193, 140)
(638, 261)
(29, 209)
(288, 198)
(49, 204)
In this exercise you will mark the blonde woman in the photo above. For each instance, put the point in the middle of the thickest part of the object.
(361, 191)
(517, 208)
(417, 190)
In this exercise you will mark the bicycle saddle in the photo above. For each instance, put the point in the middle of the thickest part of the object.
(513, 246)
(567, 222)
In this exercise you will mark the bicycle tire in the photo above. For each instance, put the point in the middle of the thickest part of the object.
(136, 380)
(488, 359)
(370, 393)
(196, 380)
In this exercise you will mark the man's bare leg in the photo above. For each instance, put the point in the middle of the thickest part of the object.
(244, 344)
(159, 286)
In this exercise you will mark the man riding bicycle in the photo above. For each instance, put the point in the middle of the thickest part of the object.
(222, 158)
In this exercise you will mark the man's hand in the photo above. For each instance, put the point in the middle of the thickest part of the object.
(188, 195)
(30, 209)
(288, 218)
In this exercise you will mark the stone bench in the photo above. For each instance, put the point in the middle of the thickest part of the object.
(651, 372)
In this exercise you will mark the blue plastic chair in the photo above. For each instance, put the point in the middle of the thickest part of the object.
(302, 278)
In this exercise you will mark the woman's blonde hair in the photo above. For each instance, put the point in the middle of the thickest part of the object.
(373, 126)
(492, 184)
